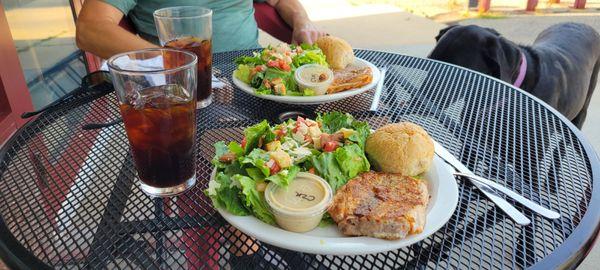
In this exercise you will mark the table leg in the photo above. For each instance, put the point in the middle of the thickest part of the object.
(101, 248)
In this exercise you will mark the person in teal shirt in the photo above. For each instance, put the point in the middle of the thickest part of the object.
(234, 27)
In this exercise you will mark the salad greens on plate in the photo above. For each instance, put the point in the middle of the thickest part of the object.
(332, 146)
(271, 72)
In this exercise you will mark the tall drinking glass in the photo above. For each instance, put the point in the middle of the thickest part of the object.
(156, 90)
(189, 28)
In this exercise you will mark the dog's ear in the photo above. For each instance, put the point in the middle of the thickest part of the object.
(443, 31)
(492, 30)
(498, 55)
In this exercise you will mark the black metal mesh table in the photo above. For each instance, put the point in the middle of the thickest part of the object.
(70, 197)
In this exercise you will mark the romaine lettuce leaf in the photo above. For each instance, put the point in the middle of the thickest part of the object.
(362, 132)
(255, 59)
(226, 195)
(326, 221)
(263, 91)
(257, 80)
(257, 158)
(313, 56)
(352, 160)
(220, 149)
(253, 134)
(256, 174)
(290, 83)
(236, 148)
(327, 167)
(272, 73)
(253, 199)
(306, 46)
(284, 177)
(243, 73)
(334, 121)
(234, 168)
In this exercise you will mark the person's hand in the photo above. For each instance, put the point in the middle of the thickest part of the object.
(306, 32)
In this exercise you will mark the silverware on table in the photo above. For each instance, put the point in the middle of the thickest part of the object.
(510, 210)
(491, 185)
(378, 89)
(515, 196)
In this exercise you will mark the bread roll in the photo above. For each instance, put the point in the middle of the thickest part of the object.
(403, 148)
(337, 51)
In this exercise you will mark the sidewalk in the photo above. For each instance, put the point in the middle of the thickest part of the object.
(374, 26)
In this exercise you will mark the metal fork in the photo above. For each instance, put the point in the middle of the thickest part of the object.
(490, 190)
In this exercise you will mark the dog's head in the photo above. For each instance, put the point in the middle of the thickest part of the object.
(477, 48)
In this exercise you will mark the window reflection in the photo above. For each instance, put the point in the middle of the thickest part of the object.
(44, 35)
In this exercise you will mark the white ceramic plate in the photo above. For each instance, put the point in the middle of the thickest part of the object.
(444, 198)
(315, 99)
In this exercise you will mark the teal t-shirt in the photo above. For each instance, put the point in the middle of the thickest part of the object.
(234, 27)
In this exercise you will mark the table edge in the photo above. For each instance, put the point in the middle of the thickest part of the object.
(574, 249)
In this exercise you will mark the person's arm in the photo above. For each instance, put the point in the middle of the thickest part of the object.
(98, 31)
(293, 13)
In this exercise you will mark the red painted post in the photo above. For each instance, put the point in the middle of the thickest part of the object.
(14, 94)
(484, 6)
(531, 4)
(579, 4)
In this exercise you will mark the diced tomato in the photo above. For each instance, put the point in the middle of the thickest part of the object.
(330, 146)
(307, 138)
(284, 66)
(299, 121)
(272, 63)
(279, 133)
(244, 142)
(260, 68)
(273, 167)
(312, 170)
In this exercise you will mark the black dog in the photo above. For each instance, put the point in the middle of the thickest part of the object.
(560, 68)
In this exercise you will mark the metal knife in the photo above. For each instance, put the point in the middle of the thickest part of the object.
(510, 210)
(465, 172)
(515, 196)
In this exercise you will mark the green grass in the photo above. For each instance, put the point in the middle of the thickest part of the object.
(491, 15)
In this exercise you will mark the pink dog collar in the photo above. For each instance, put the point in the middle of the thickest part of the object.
(522, 71)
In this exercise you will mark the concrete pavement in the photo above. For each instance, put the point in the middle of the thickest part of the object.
(373, 26)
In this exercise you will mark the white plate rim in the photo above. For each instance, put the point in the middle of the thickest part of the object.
(314, 99)
(305, 242)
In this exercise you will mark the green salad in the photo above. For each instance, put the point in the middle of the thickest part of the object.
(332, 146)
(271, 72)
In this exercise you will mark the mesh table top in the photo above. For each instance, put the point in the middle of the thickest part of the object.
(70, 197)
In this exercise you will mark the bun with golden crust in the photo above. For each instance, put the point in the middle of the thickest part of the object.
(337, 51)
(403, 148)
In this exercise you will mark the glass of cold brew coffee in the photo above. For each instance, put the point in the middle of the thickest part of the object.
(189, 28)
(156, 90)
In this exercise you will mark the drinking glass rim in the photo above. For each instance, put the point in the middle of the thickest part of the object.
(207, 12)
(111, 66)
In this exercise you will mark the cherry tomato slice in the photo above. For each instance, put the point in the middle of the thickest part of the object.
(273, 167)
(330, 146)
